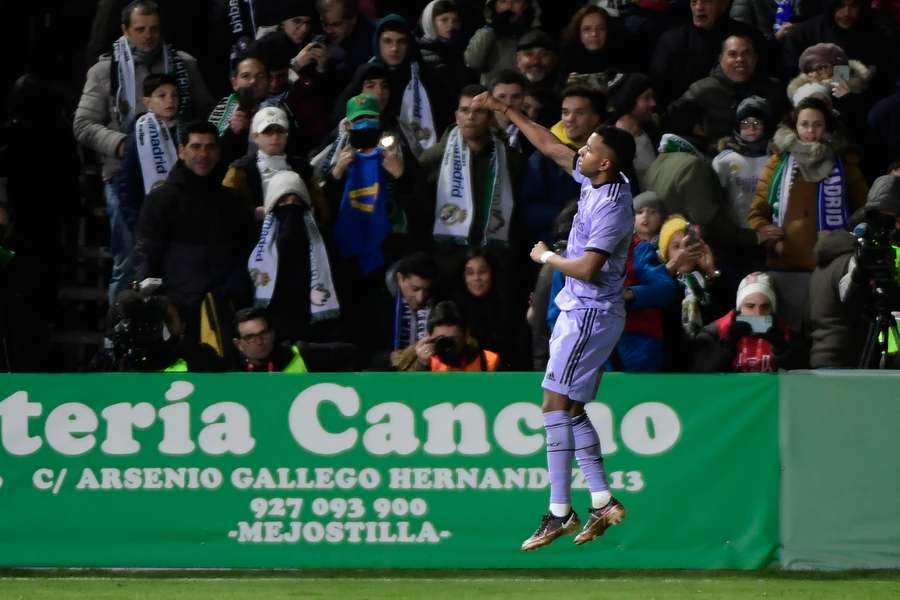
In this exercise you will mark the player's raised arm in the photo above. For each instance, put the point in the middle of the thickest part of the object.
(545, 142)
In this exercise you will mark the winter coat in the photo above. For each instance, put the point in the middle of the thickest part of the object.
(836, 330)
(851, 107)
(800, 221)
(865, 42)
(688, 185)
(685, 54)
(653, 288)
(738, 170)
(97, 126)
(446, 63)
(195, 235)
(719, 96)
(712, 351)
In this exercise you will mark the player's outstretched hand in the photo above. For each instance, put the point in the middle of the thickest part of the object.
(486, 100)
(538, 249)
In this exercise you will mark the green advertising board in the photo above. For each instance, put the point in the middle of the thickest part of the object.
(375, 470)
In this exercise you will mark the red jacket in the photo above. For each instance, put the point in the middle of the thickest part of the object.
(754, 354)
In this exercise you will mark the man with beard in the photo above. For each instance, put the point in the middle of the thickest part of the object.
(537, 60)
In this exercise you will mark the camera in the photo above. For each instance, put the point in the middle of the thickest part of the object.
(138, 332)
(875, 252)
(445, 349)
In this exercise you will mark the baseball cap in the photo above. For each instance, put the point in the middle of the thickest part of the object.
(362, 105)
(268, 116)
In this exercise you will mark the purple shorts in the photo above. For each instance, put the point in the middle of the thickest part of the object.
(581, 342)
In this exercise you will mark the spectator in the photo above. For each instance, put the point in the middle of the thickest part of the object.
(109, 102)
(349, 35)
(494, 45)
(233, 113)
(147, 334)
(480, 297)
(363, 173)
(442, 45)
(840, 299)
(537, 60)
(768, 17)
(509, 86)
(193, 233)
(416, 99)
(687, 53)
(545, 187)
(592, 42)
(255, 339)
(632, 107)
(735, 78)
(296, 20)
(808, 189)
(732, 344)
(449, 347)
(690, 261)
(249, 176)
(684, 180)
(743, 156)
(474, 206)
(648, 289)
(409, 285)
(289, 267)
(850, 25)
(817, 66)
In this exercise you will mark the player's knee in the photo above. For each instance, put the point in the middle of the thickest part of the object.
(555, 401)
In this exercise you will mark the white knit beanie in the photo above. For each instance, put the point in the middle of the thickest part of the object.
(755, 283)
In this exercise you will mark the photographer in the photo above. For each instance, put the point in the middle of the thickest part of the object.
(750, 338)
(849, 270)
(147, 335)
(449, 347)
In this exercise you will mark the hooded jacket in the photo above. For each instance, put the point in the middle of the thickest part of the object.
(494, 47)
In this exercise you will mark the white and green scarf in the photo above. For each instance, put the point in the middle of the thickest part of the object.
(156, 150)
(221, 116)
(455, 208)
(674, 143)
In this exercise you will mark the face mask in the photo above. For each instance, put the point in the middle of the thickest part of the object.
(363, 139)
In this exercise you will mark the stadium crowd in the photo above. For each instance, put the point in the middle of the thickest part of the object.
(343, 206)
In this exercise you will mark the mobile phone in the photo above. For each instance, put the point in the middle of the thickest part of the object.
(841, 72)
(690, 234)
(758, 324)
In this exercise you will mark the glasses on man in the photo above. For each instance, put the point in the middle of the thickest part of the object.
(256, 337)
(752, 123)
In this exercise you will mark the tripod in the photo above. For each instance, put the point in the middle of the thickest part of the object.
(875, 352)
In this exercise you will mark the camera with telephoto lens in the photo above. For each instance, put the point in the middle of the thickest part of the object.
(875, 251)
(445, 349)
(138, 333)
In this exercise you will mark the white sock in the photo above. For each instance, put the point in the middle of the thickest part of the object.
(560, 510)
(600, 499)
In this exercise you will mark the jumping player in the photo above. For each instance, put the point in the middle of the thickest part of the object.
(591, 320)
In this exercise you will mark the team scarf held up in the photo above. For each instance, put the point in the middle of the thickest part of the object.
(455, 209)
(415, 118)
(362, 221)
(410, 325)
(241, 28)
(263, 266)
(127, 92)
(156, 148)
(221, 115)
(831, 198)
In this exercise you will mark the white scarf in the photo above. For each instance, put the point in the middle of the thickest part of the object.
(325, 160)
(156, 150)
(455, 202)
(263, 262)
(784, 194)
(126, 94)
(416, 119)
(268, 166)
